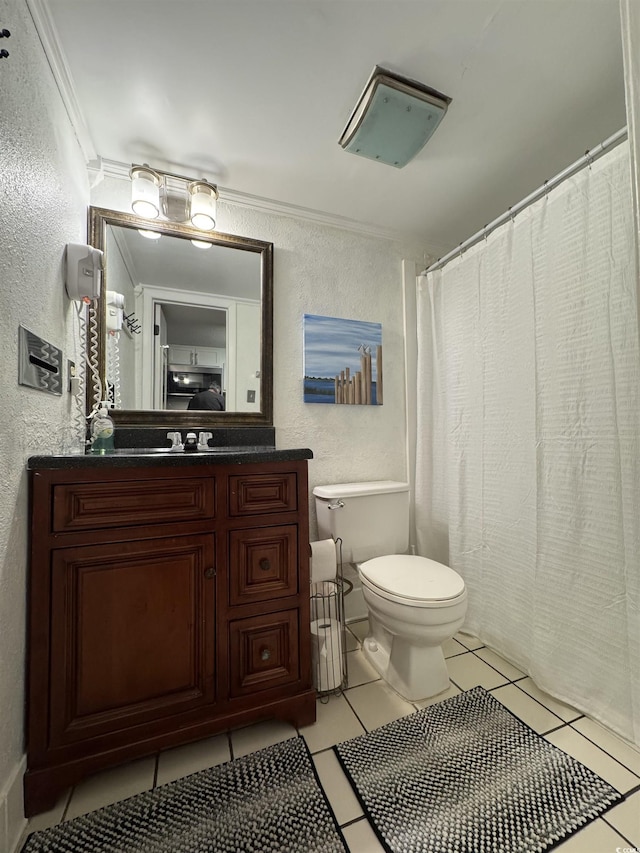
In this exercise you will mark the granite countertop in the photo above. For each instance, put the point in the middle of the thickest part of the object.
(148, 457)
(150, 447)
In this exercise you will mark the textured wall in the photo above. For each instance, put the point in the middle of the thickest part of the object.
(44, 193)
(319, 269)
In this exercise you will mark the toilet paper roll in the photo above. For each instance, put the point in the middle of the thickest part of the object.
(326, 636)
(324, 564)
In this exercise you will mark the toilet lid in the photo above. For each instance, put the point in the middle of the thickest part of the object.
(410, 577)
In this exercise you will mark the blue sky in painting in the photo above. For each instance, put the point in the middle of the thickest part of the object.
(331, 344)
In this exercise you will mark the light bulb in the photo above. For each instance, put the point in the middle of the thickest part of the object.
(203, 205)
(145, 192)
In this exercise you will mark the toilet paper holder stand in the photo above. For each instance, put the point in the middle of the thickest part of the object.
(328, 633)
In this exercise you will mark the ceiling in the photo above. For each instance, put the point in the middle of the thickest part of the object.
(173, 263)
(195, 327)
(254, 94)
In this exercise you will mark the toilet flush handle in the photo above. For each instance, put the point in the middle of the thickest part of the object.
(336, 505)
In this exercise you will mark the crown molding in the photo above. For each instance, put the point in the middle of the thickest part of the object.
(99, 167)
(48, 36)
(102, 167)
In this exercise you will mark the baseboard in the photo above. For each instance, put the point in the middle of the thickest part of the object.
(12, 820)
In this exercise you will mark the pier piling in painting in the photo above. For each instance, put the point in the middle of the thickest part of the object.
(358, 389)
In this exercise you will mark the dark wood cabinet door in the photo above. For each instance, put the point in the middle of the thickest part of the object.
(132, 634)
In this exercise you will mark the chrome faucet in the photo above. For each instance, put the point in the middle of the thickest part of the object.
(203, 440)
(176, 442)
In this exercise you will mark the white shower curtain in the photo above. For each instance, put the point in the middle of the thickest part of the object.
(528, 451)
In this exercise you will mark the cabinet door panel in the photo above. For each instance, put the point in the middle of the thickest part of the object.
(86, 506)
(254, 494)
(132, 634)
(206, 357)
(263, 563)
(264, 652)
(181, 355)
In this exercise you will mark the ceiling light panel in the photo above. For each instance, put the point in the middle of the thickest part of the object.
(393, 119)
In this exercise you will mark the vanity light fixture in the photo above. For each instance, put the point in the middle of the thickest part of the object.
(151, 197)
(393, 119)
(150, 235)
(201, 244)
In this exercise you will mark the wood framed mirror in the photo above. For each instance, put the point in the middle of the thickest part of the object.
(180, 310)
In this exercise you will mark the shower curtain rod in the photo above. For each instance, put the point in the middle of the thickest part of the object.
(587, 158)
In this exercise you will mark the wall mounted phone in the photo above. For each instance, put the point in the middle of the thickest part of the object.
(83, 271)
(82, 278)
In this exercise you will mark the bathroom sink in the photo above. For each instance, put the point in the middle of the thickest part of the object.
(164, 451)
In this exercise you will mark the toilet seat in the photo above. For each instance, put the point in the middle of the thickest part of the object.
(414, 581)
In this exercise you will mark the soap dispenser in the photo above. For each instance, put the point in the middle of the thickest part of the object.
(102, 430)
(190, 443)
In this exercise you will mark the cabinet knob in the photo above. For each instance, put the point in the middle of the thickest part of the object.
(209, 573)
(265, 654)
(264, 564)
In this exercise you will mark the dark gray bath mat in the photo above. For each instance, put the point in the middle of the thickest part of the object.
(266, 802)
(466, 776)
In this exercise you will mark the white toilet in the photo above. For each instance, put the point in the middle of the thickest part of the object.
(414, 603)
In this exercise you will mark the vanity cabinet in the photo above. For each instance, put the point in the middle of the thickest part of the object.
(166, 603)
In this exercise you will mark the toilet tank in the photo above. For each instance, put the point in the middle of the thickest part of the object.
(372, 519)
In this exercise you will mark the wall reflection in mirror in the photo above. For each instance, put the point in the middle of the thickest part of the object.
(184, 322)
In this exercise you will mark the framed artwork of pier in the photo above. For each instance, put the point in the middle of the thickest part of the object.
(342, 361)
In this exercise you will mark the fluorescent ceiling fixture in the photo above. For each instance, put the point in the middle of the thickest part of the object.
(393, 118)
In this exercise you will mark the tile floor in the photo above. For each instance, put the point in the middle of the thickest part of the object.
(368, 703)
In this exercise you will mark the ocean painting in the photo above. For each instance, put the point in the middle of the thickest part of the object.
(342, 361)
